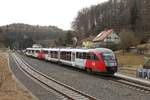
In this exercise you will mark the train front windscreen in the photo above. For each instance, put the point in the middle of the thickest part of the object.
(109, 59)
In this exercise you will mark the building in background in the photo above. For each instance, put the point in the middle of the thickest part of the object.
(107, 36)
(88, 42)
(36, 46)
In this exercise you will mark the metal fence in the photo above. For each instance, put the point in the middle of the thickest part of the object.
(143, 73)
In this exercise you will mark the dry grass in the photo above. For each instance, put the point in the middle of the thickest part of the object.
(130, 59)
(9, 88)
(144, 45)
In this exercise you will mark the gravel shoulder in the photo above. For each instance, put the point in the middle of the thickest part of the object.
(102, 88)
(10, 89)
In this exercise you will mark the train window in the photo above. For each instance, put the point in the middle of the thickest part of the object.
(51, 53)
(61, 55)
(84, 55)
(108, 57)
(46, 52)
(80, 55)
(88, 56)
(65, 55)
(68, 56)
(77, 55)
(55, 54)
(93, 57)
(73, 56)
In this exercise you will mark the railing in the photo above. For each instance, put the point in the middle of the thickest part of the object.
(143, 73)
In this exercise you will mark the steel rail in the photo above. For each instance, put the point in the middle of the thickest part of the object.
(59, 87)
(134, 84)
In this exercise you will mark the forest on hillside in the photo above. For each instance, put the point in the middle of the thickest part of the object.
(129, 18)
(120, 15)
(21, 35)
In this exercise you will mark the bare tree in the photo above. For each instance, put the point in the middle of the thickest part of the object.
(133, 15)
(128, 39)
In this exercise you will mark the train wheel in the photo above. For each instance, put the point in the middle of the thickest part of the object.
(89, 70)
(59, 63)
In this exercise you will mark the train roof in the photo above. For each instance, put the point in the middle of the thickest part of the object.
(103, 50)
(33, 48)
(52, 49)
(73, 49)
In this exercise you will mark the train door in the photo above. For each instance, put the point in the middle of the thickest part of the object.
(73, 58)
(91, 61)
(80, 61)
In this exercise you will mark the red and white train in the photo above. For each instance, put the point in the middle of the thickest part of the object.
(95, 60)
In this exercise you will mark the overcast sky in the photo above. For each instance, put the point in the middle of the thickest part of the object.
(42, 12)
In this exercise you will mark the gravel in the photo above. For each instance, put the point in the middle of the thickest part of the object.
(36, 89)
(98, 86)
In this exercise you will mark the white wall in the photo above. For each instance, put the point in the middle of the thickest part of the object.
(113, 37)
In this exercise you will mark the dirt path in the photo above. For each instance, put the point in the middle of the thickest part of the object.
(10, 89)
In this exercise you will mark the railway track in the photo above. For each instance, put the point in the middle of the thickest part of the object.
(143, 87)
(66, 91)
(133, 84)
(71, 93)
